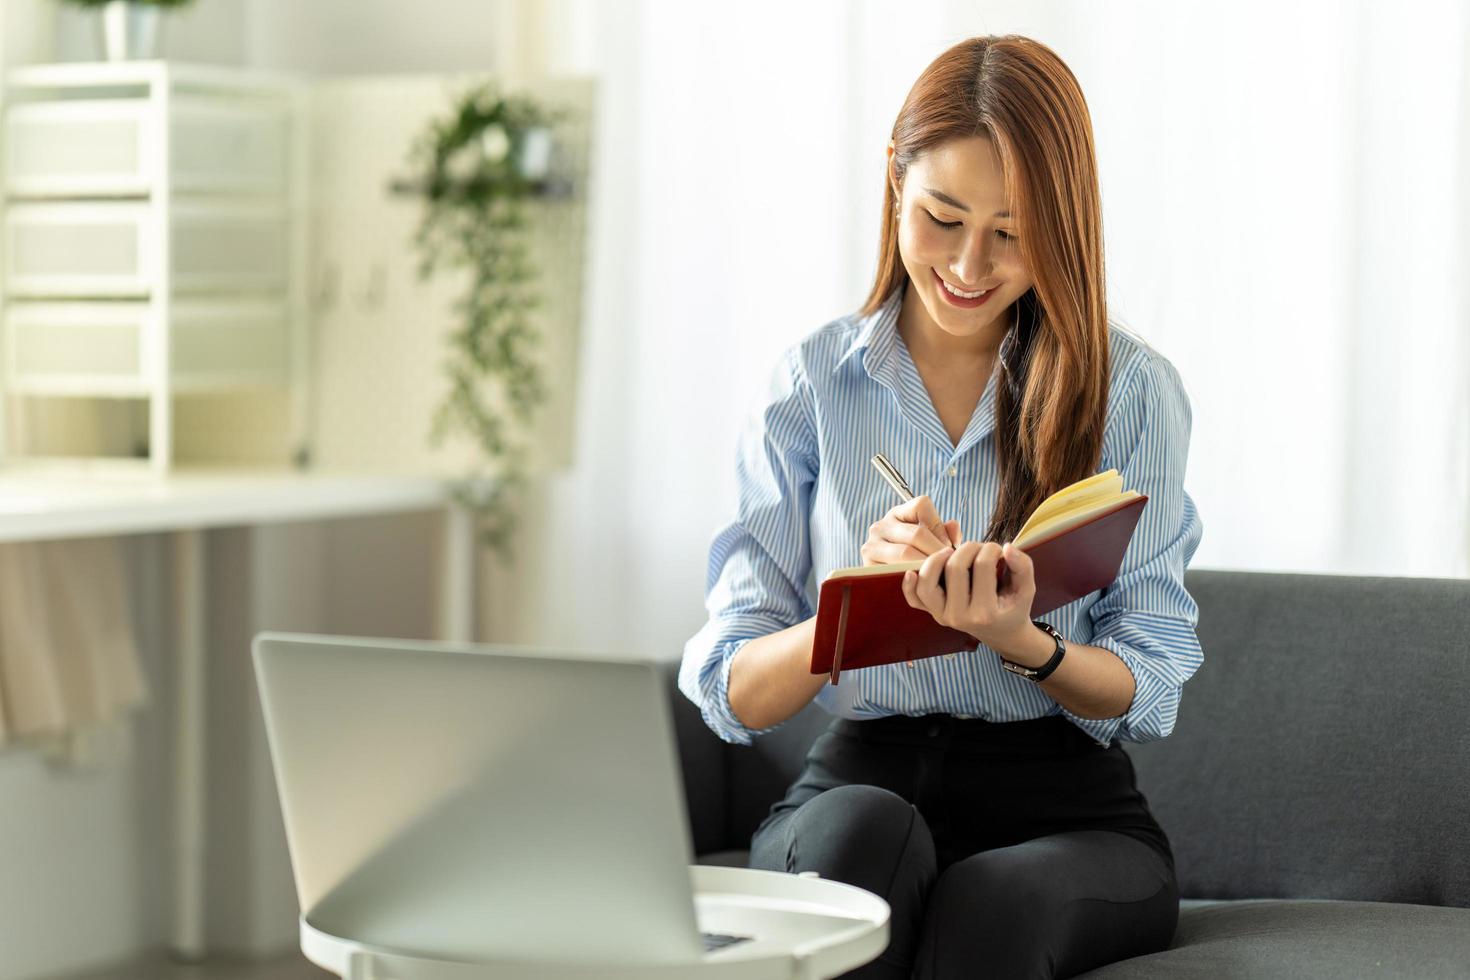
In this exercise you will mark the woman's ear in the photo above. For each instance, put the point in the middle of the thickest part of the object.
(892, 177)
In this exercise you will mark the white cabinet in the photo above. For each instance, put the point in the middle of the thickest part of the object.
(109, 249)
(153, 236)
(101, 147)
(102, 349)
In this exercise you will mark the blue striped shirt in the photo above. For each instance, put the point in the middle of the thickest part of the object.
(807, 494)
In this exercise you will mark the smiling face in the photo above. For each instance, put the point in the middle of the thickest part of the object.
(956, 238)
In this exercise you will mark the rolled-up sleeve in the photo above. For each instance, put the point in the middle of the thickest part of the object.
(1145, 616)
(759, 561)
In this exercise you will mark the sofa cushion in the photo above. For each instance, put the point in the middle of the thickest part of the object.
(1320, 750)
(1305, 940)
(725, 859)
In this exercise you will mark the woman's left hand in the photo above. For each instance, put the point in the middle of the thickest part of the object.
(969, 600)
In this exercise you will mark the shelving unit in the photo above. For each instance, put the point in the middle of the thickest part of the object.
(154, 235)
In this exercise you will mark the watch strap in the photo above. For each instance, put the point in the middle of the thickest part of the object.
(1039, 674)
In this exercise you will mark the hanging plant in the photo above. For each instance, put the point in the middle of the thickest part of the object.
(479, 166)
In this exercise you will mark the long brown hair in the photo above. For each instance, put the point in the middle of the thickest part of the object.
(1055, 361)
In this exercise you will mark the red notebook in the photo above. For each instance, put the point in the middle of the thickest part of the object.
(1076, 541)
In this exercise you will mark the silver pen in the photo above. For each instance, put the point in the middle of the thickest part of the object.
(895, 479)
(898, 483)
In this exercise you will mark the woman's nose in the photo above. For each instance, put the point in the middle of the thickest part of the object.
(973, 261)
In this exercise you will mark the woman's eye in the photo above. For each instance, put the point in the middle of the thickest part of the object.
(955, 224)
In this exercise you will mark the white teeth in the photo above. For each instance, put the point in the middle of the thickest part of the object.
(961, 295)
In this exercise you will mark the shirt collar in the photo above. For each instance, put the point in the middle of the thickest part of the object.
(876, 335)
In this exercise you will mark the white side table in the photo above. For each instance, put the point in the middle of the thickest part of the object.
(806, 928)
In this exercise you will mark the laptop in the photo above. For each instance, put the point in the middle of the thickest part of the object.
(470, 801)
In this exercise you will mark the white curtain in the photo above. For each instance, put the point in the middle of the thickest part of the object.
(69, 663)
(1286, 210)
(1285, 216)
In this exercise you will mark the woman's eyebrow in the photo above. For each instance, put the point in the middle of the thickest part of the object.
(956, 204)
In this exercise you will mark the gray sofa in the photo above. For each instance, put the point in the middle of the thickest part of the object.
(1316, 788)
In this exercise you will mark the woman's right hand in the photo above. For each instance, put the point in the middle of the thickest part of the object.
(911, 531)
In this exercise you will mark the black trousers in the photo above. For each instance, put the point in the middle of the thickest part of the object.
(1012, 850)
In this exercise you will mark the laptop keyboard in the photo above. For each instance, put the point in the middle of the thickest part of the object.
(718, 940)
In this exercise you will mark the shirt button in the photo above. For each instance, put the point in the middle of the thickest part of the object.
(950, 656)
(953, 470)
(908, 663)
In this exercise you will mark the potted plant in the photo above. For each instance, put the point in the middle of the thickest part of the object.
(476, 169)
(130, 28)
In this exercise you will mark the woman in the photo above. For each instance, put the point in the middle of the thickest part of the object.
(984, 793)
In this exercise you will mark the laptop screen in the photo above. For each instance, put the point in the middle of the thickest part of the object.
(477, 801)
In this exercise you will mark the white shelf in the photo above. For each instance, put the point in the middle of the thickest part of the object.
(108, 248)
(110, 147)
(101, 349)
(183, 75)
(154, 238)
(46, 502)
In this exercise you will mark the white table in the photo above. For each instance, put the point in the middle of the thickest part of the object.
(804, 928)
(43, 503)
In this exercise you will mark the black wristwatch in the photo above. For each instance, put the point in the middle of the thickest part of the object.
(1039, 674)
